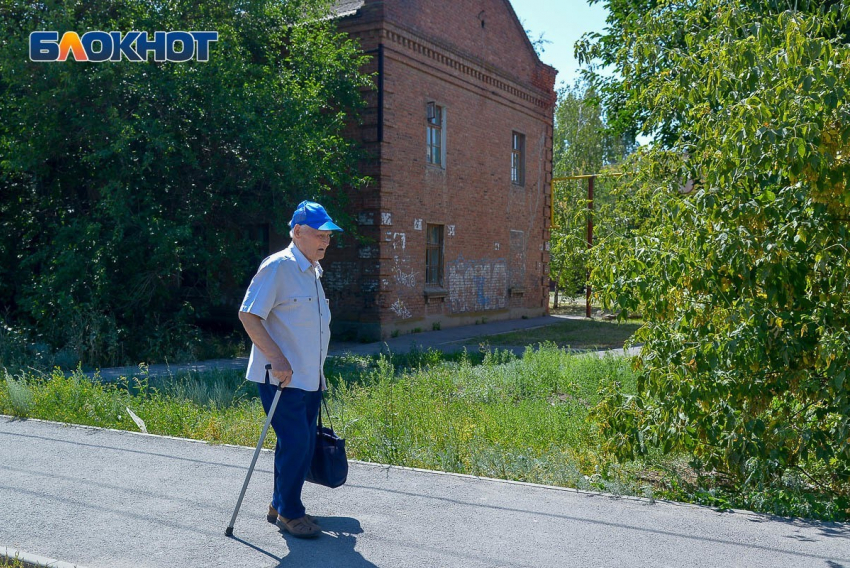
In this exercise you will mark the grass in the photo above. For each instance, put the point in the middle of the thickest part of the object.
(16, 562)
(488, 413)
(507, 417)
(20, 397)
(575, 334)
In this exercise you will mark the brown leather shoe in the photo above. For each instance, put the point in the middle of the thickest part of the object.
(272, 517)
(299, 528)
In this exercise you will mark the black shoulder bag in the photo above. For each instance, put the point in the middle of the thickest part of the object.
(330, 464)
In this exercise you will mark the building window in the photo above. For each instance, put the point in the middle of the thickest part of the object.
(434, 127)
(518, 159)
(434, 256)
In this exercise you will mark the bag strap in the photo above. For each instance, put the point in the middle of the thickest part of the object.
(325, 404)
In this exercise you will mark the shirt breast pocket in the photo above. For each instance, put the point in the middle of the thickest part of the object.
(299, 310)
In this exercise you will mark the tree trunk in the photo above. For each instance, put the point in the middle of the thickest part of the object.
(558, 287)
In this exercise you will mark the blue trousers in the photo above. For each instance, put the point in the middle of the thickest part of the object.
(294, 423)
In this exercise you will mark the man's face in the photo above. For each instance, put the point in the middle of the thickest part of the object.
(313, 243)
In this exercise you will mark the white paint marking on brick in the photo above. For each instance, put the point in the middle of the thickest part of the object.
(451, 230)
(404, 278)
(399, 239)
(386, 218)
(400, 310)
(417, 224)
(497, 246)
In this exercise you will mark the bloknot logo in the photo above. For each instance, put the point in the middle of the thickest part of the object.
(97, 46)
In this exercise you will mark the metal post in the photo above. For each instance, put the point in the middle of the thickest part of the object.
(589, 236)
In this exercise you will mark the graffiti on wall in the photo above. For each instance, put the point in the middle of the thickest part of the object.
(342, 276)
(400, 310)
(476, 285)
(368, 251)
(516, 265)
(399, 240)
(403, 274)
(402, 278)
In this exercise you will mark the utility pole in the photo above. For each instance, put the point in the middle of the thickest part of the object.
(590, 181)
(591, 178)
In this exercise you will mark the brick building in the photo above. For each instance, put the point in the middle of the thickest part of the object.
(460, 129)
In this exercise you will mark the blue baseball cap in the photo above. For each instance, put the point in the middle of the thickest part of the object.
(313, 215)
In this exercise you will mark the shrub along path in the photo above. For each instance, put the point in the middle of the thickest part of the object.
(102, 498)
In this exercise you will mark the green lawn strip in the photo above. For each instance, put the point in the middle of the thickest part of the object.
(490, 414)
(170, 410)
(576, 334)
(524, 419)
(484, 414)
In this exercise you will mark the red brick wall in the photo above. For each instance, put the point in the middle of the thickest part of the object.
(500, 42)
(495, 231)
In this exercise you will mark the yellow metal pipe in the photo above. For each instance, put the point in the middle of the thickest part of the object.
(587, 176)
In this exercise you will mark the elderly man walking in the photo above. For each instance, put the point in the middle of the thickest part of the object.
(286, 315)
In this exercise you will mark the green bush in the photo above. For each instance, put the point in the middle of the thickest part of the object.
(742, 275)
(134, 217)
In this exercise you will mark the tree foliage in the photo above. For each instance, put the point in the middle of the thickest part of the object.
(128, 188)
(636, 62)
(582, 144)
(743, 281)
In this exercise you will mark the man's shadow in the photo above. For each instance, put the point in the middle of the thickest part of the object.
(335, 547)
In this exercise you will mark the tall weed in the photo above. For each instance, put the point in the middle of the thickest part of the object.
(19, 396)
(215, 389)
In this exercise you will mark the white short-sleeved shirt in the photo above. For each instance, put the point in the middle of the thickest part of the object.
(287, 294)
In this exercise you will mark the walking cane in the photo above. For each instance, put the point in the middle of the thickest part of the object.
(229, 531)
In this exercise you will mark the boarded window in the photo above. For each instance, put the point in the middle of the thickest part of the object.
(434, 256)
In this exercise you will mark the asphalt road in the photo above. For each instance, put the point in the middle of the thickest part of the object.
(100, 498)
